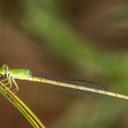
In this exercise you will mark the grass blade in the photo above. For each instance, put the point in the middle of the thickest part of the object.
(21, 106)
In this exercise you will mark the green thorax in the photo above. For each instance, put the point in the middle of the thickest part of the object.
(20, 73)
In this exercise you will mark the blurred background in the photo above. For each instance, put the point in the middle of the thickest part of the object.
(72, 39)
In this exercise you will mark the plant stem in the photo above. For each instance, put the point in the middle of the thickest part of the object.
(21, 106)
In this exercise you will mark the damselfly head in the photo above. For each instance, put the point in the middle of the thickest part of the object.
(4, 69)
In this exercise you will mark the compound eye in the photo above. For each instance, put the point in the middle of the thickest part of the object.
(5, 66)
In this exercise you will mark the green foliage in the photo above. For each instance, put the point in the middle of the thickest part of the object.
(42, 18)
(67, 44)
(113, 66)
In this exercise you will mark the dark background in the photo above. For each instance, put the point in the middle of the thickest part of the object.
(72, 39)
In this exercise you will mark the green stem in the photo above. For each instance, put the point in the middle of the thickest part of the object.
(23, 109)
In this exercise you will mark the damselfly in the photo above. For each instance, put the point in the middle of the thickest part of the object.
(11, 75)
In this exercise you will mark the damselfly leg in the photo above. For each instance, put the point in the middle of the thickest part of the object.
(8, 81)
